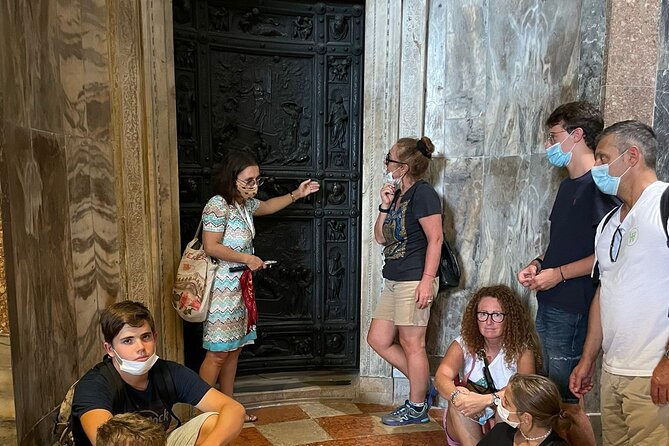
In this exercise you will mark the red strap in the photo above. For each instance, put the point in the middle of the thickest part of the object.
(249, 297)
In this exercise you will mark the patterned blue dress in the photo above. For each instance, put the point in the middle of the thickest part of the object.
(225, 327)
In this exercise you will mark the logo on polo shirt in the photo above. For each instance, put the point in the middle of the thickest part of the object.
(633, 236)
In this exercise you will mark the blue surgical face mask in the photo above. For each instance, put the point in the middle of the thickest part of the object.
(606, 182)
(556, 156)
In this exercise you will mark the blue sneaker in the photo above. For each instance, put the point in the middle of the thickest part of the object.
(405, 414)
(431, 395)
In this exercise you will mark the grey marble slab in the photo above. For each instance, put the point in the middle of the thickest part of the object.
(661, 124)
(591, 58)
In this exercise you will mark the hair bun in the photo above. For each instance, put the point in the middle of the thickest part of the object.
(425, 146)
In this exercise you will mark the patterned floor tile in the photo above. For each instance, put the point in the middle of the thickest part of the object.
(370, 407)
(350, 426)
(251, 437)
(292, 433)
(319, 410)
(385, 440)
(346, 407)
(278, 414)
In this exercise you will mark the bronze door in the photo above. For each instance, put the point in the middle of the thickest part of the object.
(282, 80)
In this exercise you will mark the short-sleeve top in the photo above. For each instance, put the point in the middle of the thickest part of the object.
(405, 241)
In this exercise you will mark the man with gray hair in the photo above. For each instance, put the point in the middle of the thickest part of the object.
(629, 316)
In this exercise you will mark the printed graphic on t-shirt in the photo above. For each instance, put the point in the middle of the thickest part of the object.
(163, 418)
(395, 233)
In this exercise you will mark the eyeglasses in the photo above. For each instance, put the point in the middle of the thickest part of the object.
(483, 316)
(551, 136)
(253, 181)
(616, 241)
(389, 160)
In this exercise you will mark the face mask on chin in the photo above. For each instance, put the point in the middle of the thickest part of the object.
(390, 179)
(245, 191)
(504, 413)
(135, 368)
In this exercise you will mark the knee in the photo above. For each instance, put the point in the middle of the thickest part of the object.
(413, 346)
(217, 358)
(376, 341)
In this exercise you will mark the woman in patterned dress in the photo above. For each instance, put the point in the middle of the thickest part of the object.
(227, 235)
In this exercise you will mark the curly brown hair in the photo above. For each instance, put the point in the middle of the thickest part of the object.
(519, 331)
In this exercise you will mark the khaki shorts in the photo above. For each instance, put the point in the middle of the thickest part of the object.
(629, 416)
(186, 434)
(398, 303)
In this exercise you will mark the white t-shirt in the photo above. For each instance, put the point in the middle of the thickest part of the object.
(634, 294)
(500, 372)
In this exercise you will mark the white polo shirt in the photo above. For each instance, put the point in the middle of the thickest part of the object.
(634, 294)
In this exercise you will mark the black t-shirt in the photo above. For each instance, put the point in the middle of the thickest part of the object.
(578, 208)
(94, 392)
(502, 435)
(406, 242)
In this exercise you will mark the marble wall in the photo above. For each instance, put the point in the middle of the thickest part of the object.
(88, 194)
(487, 75)
(661, 106)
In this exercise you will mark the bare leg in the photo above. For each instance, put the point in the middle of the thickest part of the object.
(462, 429)
(412, 341)
(581, 432)
(212, 365)
(226, 377)
(380, 338)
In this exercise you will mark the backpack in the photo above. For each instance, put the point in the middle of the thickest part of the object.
(664, 213)
(159, 375)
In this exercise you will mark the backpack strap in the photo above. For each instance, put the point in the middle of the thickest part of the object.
(112, 376)
(664, 212)
(167, 392)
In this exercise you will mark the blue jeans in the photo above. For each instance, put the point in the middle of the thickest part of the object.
(562, 335)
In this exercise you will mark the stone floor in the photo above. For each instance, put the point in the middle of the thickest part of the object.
(334, 423)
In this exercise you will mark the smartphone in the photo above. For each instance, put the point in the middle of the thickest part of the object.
(270, 263)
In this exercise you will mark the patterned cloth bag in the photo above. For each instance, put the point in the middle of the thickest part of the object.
(191, 295)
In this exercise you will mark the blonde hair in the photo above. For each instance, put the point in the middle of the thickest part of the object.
(416, 153)
(539, 396)
(130, 429)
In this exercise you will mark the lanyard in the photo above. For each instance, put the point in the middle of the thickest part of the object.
(248, 219)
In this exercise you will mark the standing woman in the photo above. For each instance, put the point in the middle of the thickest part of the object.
(409, 228)
(227, 235)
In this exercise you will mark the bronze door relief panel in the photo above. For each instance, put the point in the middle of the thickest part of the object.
(282, 80)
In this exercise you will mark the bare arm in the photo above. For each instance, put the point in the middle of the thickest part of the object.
(432, 227)
(580, 380)
(387, 193)
(547, 278)
(448, 369)
(92, 420)
(275, 204)
(230, 417)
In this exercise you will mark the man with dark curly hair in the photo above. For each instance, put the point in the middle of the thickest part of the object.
(561, 276)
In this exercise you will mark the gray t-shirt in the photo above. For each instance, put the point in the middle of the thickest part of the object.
(406, 243)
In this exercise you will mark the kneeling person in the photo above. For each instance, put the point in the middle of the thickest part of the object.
(130, 343)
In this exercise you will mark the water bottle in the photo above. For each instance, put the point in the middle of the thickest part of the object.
(488, 413)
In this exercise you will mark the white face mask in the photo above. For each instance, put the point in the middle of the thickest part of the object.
(135, 367)
(390, 179)
(503, 413)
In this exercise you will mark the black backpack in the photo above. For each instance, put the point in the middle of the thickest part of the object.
(159, 375)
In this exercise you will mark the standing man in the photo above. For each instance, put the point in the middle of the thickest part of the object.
(561, 276)
(629, 316)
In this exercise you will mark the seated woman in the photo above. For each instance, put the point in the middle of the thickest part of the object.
(497, 340)
(531, 413)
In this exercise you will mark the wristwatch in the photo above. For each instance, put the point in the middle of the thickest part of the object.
(495, 399)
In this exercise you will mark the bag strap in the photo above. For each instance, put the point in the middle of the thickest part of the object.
(200, 226)
(119, 396)
(664, 212)
(487, 375)
(167, 392)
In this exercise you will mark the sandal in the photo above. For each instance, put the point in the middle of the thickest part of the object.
(250, 418)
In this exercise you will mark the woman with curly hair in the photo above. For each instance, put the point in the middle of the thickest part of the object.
(497, 340)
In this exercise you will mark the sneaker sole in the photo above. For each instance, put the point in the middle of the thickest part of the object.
(404, 423)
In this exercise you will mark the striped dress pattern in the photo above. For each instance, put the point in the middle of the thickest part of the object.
(225, 327)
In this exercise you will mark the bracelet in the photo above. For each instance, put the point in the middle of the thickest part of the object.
(540, 262)
(562, 275)
(385, 211)
(454, 393)
(292, 197)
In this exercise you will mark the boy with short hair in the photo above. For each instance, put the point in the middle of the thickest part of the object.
(130, 343)
(129, 429)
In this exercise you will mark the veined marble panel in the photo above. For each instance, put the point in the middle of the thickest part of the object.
(14, 67)
(532, 59)
(44, 61)
(70, 53)
(593, 37)
(661, 124)
(412, 66)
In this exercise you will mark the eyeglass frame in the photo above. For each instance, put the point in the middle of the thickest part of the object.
(253, 181)
(551, 135)
(489, 316)
(620, 243)
(387, 160)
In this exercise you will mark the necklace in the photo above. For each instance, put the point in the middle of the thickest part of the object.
(540, 437)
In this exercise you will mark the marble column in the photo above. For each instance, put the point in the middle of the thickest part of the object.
(661, 109)
(88, 185)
